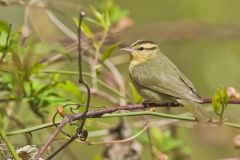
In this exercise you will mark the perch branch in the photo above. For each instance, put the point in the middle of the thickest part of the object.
(103, 113)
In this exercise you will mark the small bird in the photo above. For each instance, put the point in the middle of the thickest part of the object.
(158, 80)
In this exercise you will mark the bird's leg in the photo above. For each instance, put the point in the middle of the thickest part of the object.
(146, 104)
(171, 104)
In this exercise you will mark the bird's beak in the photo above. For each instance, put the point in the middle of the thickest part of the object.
(128, 49)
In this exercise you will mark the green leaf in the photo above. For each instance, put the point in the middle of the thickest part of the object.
(220, 100)
(71, 87)
(32, 70)
(4, 26)
(136, 97)
(86, 30)
(98, 15)
(16, 61)
(108, 52)
(107, 20)
(216, 103)
(3, 33)
(92, 21)
(3, 38)
(224, 96)
(114, 11)
(46, 88)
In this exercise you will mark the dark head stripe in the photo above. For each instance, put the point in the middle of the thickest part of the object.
(142, 42)
(149, 49)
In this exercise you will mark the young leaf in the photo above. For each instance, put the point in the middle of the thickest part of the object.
(97, 14)
(17, 62)
(86, 30)
(107, 20)
(216, 103)
(220, 101)
(108, 52)
(136, 97)
(92, 21)
(71, 87)
(224, 96)
(3, 39)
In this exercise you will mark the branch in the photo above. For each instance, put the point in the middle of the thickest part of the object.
(9, 145)
(103, 114)
(80, 132)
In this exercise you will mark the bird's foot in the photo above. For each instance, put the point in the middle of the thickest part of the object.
(146, 104)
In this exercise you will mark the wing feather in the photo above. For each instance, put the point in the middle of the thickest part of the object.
(161, 75)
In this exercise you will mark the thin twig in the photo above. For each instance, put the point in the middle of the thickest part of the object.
(81, 80)
(83, 116)
(9, 145)
(74, 137)
(64, 121)
(20, 124)
(146, 126)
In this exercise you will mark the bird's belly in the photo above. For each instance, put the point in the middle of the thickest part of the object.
(154, 97)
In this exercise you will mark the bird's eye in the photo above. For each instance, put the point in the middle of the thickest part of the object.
(141, 48)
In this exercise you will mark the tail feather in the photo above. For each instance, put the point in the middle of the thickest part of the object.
(195, 109)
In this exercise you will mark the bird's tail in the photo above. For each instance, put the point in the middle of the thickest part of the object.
(195, 109)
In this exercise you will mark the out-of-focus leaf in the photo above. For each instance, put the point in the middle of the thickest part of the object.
(157, 134)
(224, 96)
(97, 14)
(46, 87)
(3, 39)
(86, 30)
(41, 48)
(4, 26)
(17, 62)
(53, 98)
(7, 67)
(107, 20)
(97, 157)
(72, 88)
(3, 34)
(162, 140)
(136, 97)
(115, 12)
(32, 70)
(216, 103)
(108, 52)
(92, 21)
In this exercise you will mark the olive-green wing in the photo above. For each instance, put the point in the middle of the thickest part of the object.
(161, 75)
(181, 75)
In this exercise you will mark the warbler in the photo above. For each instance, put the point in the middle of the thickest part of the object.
(158, 80)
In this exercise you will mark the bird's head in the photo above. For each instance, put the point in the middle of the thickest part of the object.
(142, 50)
